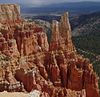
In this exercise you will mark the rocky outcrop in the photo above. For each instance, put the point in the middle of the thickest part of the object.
(9, 14)
(30, 41)
(28, 62)
(61, 35)
(8, 46)
(65, 30)
(73, 70)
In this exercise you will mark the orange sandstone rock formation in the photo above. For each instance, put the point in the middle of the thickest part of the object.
(28, 62)
(9, 14)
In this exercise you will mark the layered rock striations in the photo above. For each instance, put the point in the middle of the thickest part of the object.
(28, 62)
(10, 14)
(30, 39)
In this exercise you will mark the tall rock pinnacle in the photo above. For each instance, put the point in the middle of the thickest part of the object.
(61, 34)
(55, 35)
(65, 30)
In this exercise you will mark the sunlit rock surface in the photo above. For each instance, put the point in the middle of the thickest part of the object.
(28, 63)
(9, 13)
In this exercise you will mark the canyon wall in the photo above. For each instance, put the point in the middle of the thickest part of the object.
(28, 62)
(9, 13)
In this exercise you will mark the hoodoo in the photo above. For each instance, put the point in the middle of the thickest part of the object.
(28, 62)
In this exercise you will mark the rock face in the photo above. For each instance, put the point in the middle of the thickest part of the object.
(8, 46)
(30, 39)
(9, 13)
(61, 35)
(28, 62)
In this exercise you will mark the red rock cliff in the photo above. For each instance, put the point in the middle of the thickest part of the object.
(28, 62)
(9, 13)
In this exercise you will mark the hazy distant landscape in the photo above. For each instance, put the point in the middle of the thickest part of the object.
(76, 8)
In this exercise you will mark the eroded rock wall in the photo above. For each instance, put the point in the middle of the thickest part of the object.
(9, 14)
(28, 62)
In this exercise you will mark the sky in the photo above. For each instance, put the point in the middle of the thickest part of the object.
(40, 2)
